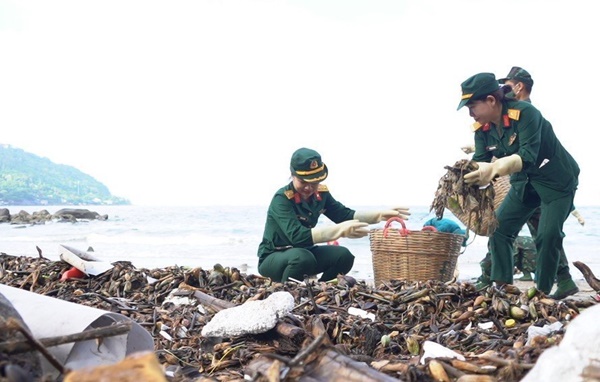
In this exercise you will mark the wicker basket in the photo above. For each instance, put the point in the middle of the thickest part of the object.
(402, 254)
(487, 225)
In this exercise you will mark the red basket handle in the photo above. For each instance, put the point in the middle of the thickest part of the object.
(403, 231)
(429, 228)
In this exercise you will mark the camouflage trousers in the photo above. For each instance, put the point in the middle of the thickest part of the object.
(524, 252)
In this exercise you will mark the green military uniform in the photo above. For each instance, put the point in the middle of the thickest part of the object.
(527, 246)
(524, 252)
(287, 248)
(563, 273)
(548, 179)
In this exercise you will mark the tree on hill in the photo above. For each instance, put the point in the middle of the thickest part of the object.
(27, 179)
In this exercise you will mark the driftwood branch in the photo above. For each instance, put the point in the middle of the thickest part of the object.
(16, 347)
(212, 302)
(588, 275)
(316, 362)
(13, 324)
(328, 366)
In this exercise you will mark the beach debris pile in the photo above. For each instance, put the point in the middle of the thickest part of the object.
(472, 205)
(409, 331)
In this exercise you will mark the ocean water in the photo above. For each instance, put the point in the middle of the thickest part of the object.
(156, 237)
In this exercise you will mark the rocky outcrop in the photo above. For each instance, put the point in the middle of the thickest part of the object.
(78, 214)
(40, 217)
(4, 215)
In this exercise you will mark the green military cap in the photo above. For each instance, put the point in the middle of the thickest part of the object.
(477, 86)
(518, 74)
(307, 165)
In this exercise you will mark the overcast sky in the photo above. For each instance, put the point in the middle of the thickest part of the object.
(202, 102)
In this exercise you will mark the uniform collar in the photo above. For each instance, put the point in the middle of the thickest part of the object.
(505, 123)
(505, 119)
(298, 198)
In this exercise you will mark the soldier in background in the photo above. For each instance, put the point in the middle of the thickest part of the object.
(525, 253)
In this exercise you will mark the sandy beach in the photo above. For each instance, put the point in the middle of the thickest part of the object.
(585, 291)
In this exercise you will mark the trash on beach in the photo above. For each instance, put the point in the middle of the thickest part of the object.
(48, 317)
(318, 338)
(534, 331)
(72, 273)
(434, 350)
(84, 261)
(361, 313)
(250, 318)
(140, 366)
(577, 356)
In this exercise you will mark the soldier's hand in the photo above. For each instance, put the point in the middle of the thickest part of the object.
(377, 216)
(403, 212)
(468, 149)
(482, 176)
(353, 229)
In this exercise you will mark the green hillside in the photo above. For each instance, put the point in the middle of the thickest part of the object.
(27, 179)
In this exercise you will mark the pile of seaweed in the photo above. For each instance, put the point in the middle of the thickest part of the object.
(474, 206)
(489, 329)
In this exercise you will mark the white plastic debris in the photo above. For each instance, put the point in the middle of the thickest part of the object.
(165, 335)
(546, 330)
(151, 280)
(449, 333)
(179, 300)
(577, 350)
(51, 317)
(250, 318)
(485, 325)
(434, 350)
(361, 313)
(84, 261)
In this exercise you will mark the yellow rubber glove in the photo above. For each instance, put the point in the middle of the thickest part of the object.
(373, 217)
(468, 149)
(352, 229)
(577, 215)
(488, 171)
(403, 212)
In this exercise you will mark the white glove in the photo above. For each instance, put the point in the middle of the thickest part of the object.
(580, 218)
(352, 229)
(488, 171)
(468, 149)
(373, 217)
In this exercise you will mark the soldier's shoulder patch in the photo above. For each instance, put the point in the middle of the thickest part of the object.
(323, 188)
(289, 194)
(514, 114)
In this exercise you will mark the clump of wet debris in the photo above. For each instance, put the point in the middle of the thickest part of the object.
(345, 327)
(474, 206)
